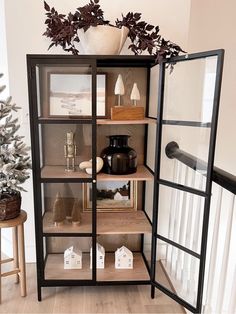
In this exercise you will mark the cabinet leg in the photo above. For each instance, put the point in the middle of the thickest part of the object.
(22, 260)
(0, 269)
(39, 293)
(15, 251)
(152, 292)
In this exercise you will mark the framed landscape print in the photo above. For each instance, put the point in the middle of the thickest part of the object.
(70, 94)
(112, 196)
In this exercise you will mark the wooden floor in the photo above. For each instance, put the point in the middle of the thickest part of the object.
(105, 299)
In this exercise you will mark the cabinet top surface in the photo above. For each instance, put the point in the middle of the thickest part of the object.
(129, 59)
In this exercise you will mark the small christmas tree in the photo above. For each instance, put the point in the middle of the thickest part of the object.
(14, 159)
(76, 214)
(68, 200)
(59, 213)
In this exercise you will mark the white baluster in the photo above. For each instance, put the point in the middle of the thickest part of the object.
(179, 262)
(196, 235)
(176, 222)
(232, 303)
(172, 213)
(190, 221)
(223, 273)
(213, 254)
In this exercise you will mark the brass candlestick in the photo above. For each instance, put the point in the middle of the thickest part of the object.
(70, 151)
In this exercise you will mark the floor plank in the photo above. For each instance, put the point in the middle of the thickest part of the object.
(101, 299)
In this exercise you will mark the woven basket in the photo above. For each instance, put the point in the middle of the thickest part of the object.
(10, 205)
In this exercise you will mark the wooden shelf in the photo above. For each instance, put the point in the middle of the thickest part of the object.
(142, 174)
(143, 121)
(107, 223)
(58, 172)
(109, 273)
(54, 269)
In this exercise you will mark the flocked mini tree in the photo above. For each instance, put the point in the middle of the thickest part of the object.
(14, 159)
(59, 213)
(76, 214)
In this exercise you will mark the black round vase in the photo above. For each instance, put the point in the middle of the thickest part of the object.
(118, 157)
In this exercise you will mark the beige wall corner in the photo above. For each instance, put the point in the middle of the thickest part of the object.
(212, 26)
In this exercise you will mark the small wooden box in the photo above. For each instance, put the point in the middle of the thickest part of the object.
(127, 113)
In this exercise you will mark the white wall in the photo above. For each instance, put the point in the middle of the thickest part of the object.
(212, 26)
(24, 28)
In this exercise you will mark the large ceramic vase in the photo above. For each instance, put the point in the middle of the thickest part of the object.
(103, 39)
(10, 205)
(118, 157)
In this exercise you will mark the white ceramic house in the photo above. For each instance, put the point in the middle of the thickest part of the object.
(123, 258)
(72, 258)
(121, 196)
(100, 256)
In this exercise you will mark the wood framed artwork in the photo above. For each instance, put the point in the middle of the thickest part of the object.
(70, 94)
(112, 196)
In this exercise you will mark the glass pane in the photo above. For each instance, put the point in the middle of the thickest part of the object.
(189, 90)
(147, 244)
(180, 217)
(59, 155)
(151, 146)
(149, 198)
(66, 91)
(177, 271)
(192, 140)
(63, 206)
(153, 94)
(71, 256)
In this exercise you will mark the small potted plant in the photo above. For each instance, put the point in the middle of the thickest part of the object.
(97, 35)
(14, 161)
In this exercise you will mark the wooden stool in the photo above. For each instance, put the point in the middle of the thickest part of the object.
(17, 225)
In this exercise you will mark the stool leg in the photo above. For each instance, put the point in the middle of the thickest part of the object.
(15, 251)
(0, 268)
(22, 260)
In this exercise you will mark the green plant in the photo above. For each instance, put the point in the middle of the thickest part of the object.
(14, 159)
(62, 30)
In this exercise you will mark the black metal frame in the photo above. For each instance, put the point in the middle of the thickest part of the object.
(116, 61)
(35, 122)
(206, 194)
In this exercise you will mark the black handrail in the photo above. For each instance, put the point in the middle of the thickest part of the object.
(221, 177)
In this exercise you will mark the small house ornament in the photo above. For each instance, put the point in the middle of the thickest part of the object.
(135, 95)
(123, 258)
(72, 258)
(100, 256)
(119, 88)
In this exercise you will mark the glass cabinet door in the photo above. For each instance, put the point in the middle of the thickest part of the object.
(186, 132)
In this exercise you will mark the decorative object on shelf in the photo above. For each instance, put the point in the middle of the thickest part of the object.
(123, 258)
(135, 94)
(87, 165)
(118, 157)
(70, 94)
(119, 88)
(112, 196)
(100, 256)
(127, 113)
(76, 214)
(59, 213)
(103, 39)
(72, 258)
(14, 161)
(64, 31)
(68, 200)
(70, 151)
